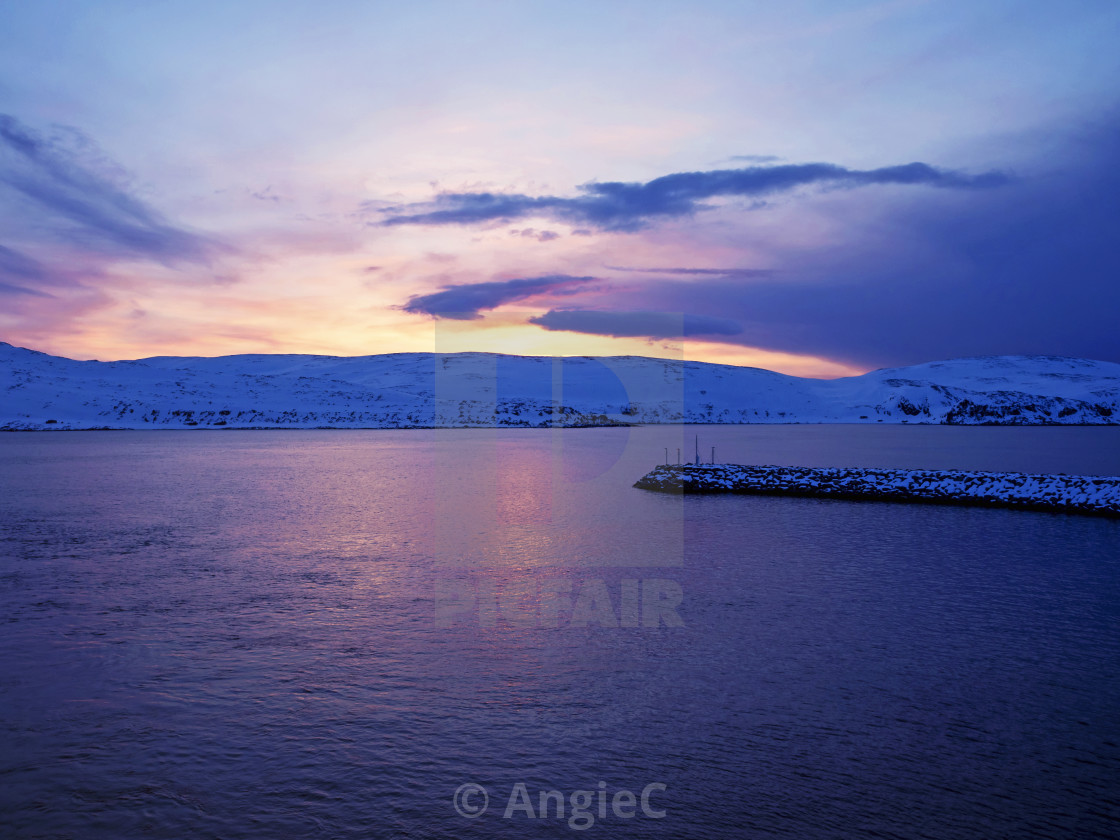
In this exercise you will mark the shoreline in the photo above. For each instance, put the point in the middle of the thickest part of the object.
(214, 427)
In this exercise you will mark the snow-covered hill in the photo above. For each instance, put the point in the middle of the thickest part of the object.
(402, 390)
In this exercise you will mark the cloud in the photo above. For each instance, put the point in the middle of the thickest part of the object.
(633, 323)
(264, 195)
(21, 274)
(86, 208)
(703, 272)
(15, 264)
(619, 206)
(1030, 269)
(539, 235)
(464, 302)
(12, 289)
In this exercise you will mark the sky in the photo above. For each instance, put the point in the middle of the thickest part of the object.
(818, 188)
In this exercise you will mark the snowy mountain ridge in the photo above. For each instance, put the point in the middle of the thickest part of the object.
(415, 390)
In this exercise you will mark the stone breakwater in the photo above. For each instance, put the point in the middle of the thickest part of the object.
(1095, 495)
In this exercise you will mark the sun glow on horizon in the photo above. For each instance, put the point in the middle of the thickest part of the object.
(498, 332)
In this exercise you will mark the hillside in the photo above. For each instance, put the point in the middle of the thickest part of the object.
(404, 390)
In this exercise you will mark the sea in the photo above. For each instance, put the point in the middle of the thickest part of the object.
(491, 633)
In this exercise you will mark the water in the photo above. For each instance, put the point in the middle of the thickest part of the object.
(326, 634)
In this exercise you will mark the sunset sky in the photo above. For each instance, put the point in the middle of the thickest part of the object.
(819, 188)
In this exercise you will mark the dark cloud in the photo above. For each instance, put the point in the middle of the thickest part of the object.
(264, 195)
(21, 274)
(86, 208)
(12, 289)
(532, 233)
(1031, 269)
(15, 264)
(619, 206)
(629, 324)
(464, 302)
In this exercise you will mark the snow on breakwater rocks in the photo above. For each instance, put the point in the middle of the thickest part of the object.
(1097, 495)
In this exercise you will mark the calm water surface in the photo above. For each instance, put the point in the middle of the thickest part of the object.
(326, 634)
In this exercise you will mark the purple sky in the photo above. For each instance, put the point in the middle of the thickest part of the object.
(815, 187)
